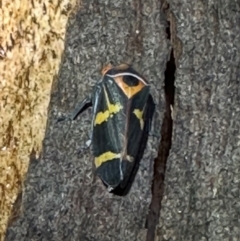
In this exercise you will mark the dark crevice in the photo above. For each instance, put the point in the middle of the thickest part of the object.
(164, 147)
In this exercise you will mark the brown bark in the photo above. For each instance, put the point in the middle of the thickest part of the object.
(62, 198)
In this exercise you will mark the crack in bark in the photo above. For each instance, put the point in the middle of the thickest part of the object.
(166, 139)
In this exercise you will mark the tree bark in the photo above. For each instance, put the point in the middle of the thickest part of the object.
(189, 51)
(62, 198)
(202, 180)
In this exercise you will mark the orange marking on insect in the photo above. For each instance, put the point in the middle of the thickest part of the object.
(106, 68)
(122, 67)
(129, 91)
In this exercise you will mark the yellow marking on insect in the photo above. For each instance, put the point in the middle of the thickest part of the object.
(107, 156)
(139, 115)
(103, 116)
(111, 110)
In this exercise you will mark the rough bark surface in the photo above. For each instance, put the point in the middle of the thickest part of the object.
(62, 199)
(202, 179)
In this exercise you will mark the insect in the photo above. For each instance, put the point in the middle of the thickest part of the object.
(122, 109)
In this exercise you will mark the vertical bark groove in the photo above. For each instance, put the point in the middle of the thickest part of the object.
(166, 136)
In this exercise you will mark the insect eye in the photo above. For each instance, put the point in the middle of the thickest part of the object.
(131, 80)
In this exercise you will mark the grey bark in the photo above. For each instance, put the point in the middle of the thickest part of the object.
(62, 199)
(202, 180)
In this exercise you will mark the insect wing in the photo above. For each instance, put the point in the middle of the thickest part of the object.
(108, 128)
(118, 124)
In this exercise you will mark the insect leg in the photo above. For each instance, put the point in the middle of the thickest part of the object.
(87, 102)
